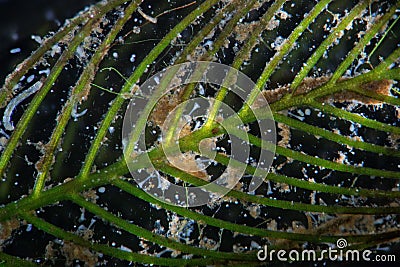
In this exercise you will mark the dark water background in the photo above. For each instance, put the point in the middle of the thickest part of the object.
(19, 19)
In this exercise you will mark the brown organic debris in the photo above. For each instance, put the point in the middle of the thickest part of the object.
(6, 229)
(73, 252)
(381, 87)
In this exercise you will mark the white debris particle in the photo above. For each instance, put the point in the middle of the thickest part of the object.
(147, 17)
(307, 112)
(15, 50)
(29, 227)
(37, 38)
(56, 49)
(254, 245)
(201, 90)
(111, 130)
(30, 78)
(75, 114)
(80, 52)
(272, 24)
(301, 118)
(46, 71)
(101, 189)
(123, 248)
(254, 211)
(284, 15)
(278, 43)
(15, 101)
(209, 43)
(115, 55)
(136, 30)
(133, 57)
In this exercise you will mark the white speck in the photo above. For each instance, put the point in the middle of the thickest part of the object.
(30, 78)
(307, 112)
(209, 43)
(80, 52)
(115, 55)
(123, 248)
(255, 245)
(278, 43)
(136, 30)
(157, 79)
(101, 189)
(46, 71)
(296, 116)
(15, 50)
(111, 130)
(133, 57)
(29, 227)
(201, 90)
(37, 38)
(75, 114)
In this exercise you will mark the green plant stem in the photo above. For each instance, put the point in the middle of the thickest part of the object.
(317, 238)
(116, 105)
(283, 204)
(85, 78)
(284, 49)
(334, 35)
(296, 155)
(47, 44)
(340, 139)
(370, 33)
(356, 118)
(289, 101)
(159, 239)
(243, 9)
(242, 55)
(47, 85)
(114, 252)
(8, 260)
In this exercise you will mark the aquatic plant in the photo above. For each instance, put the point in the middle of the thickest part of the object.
(329, 70)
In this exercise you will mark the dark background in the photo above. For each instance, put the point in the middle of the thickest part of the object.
(20, 19)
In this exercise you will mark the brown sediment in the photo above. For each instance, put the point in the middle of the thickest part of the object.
(381, 87)
(6, 229)
(165, 105)
(284, 132)
(73, 252)
(308, 84)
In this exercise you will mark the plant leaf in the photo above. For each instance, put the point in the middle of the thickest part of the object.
(329, 71)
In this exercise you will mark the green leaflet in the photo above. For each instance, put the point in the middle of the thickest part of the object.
(329, 71)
